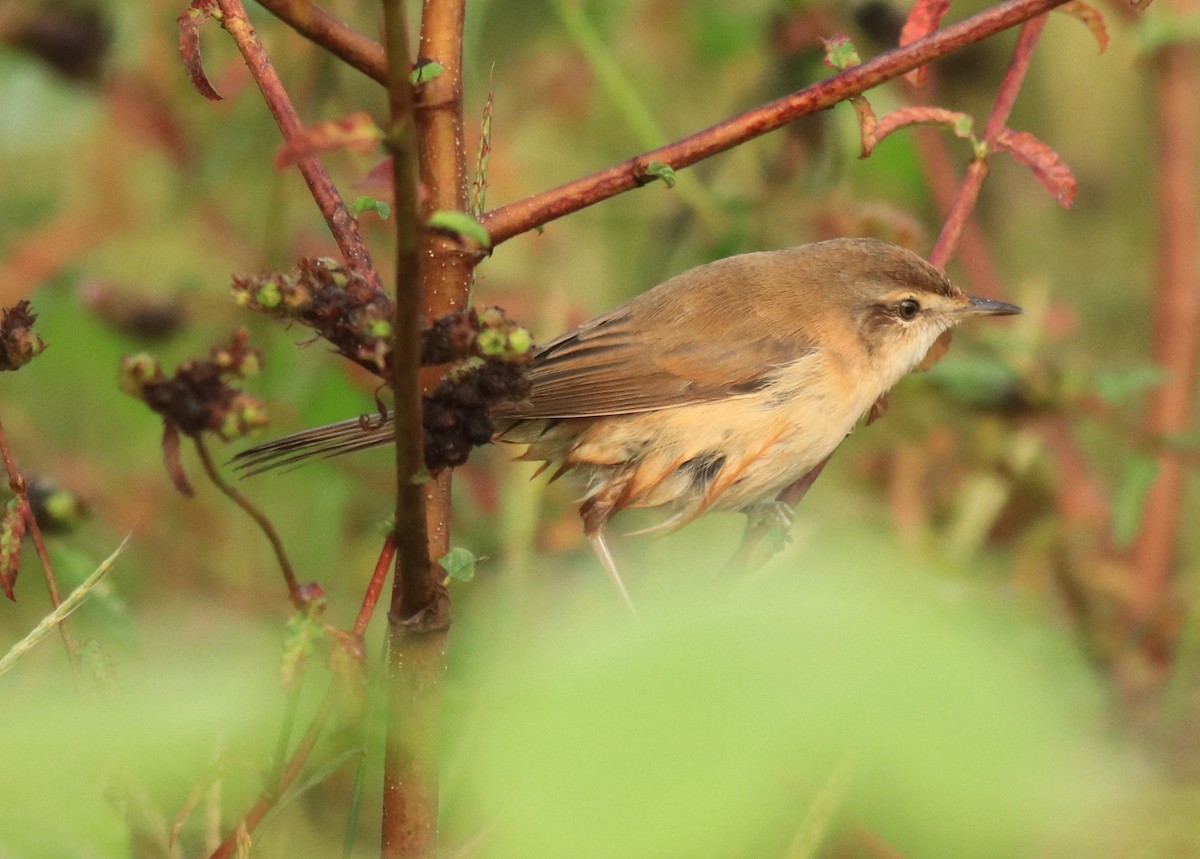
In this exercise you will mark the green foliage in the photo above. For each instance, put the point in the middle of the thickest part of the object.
(711, 728)
(459, 564)
(1117, 387)
(461, 224)
(975, 379)
(662, 171)
(1129, 501)
(425, 72)
(370, 204)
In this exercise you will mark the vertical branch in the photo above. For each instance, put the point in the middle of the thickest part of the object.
(1176, 313)
(420, 611)
(443, 170)
(341, 223)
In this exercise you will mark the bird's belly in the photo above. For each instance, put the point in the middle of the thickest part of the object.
(717, 455)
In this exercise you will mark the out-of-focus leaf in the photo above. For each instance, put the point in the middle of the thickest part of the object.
(1047, 165)
(710, 728)
(1118, 386)
(1129, 501)
(357, 132)
(976, 380)
(12, 534)
(189, 45)
(1091, 18)
(924, 17)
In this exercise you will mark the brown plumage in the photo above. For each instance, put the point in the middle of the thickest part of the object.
(718, 387)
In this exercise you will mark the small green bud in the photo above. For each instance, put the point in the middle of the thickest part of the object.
(269, 296)
(491, 342)
(519, 341)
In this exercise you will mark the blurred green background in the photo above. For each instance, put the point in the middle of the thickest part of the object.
(934, 665)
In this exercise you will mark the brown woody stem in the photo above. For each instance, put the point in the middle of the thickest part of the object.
(318, 26)
(420, 610)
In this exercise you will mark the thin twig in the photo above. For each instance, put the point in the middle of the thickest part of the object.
(1006, 97)
(511, 220)
(295, 592)
(341, 223)
(318, 26)
(272, 794)
(375, 586)
(21, 489)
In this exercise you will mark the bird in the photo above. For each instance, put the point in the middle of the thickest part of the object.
(715, 389)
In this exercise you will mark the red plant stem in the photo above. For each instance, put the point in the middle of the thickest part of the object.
(1176, 312)
(375, 586)
(295, 593)
(271, 796)
(341, 223)
(511, 220)
(1006, 97)
(318, 26)
(936, 166)
(20, 489)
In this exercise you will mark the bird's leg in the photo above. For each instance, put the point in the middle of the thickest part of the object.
(610, 567)
(774, 514)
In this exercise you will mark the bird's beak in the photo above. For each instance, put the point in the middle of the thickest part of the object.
(989, 307)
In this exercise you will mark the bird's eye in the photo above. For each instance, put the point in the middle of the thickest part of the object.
(908, 308)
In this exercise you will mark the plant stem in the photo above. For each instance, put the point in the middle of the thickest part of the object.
(341, 223)
(295, 593)
(318, 26)
(1176, 313)
(1006, 97)
(511, 220)
(19, 488)
(420, 610)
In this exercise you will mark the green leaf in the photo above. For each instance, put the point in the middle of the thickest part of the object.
(976, 380)
(460, 223)
(1118, 386)
(1129, 501)
(303, 631)
(840, 53)
(364, 204)
(459, 564)
(662, 171)
(425, 72)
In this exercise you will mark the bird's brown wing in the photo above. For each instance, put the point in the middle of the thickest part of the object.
(623, 363)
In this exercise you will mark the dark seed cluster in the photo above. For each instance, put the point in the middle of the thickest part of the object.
(19, 343)
(203, 394)
(341, 305)
(456, 413)
(488, 350)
